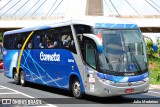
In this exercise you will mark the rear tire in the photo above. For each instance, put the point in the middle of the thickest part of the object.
(16, 78)
(22, 79)
(76, 88)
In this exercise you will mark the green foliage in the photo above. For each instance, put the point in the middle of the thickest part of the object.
(158, 48)
(158, 41)
(154, 68)
(150, 50)
(1, 37)
(158, 77)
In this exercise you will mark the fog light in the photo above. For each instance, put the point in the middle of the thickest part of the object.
(107, 91)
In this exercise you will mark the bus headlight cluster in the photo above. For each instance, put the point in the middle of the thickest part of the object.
(107, 82)
(146, 79)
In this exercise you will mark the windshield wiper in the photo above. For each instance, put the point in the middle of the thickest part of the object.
(120, 63)
(109, 64)
(133, 58)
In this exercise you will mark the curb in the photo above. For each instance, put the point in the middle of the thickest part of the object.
(157, 86)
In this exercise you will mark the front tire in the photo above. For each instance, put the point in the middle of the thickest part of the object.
(76, 88)
(22, 79)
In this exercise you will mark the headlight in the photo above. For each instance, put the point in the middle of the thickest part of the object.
(107, 82)
(146, 79)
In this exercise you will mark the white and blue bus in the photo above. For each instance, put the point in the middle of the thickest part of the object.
(95, 55)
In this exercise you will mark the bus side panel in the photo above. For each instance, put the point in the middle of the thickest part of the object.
(80, 68)
(10, 58)
(49, 67)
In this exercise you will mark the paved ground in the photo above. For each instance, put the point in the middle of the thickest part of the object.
(155, 86)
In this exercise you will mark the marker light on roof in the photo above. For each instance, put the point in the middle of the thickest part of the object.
(99, 35)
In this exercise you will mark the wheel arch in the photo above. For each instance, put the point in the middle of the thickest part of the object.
(15, 70)
(72, 77)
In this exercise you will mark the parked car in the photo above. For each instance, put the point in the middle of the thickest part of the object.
(1, 64)
(1, 61)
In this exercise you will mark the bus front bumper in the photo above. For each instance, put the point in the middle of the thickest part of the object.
(118, 89)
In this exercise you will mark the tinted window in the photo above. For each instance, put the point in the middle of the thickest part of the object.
(14, 41)
(54, 38)
(67, 41)
(80, 29)
(90, 54)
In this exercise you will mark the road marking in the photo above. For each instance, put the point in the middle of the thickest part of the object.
(154, 92)
(2, 88)
(8, 93)
(17, 92)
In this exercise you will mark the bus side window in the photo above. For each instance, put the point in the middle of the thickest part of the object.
(52, 39)
(67, 39)
(19, 46)
(29, 44)
(36, 41)
(12, 42)
(19, 40)
(7, 41)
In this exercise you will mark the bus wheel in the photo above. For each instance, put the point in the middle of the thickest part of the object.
(16, 78)
(22, 80)
(76, 88)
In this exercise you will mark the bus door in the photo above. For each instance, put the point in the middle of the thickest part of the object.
(89, 52)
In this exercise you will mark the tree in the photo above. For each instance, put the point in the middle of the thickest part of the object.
(1, 37)
(150, 50)
(159, 50)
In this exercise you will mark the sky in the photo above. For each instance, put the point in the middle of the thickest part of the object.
(138, 7)
(30, 8)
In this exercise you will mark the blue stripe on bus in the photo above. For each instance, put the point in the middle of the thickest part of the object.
(100, 75)
(115, 26)
(123, 78)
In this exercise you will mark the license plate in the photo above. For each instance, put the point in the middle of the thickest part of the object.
(129, 90)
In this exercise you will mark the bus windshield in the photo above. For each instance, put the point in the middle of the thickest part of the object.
(123, 51)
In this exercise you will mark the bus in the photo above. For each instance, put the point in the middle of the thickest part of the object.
(96, 56)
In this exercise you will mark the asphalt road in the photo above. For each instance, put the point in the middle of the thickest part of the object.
(48, 96)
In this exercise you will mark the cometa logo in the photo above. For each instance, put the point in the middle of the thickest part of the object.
(129, 74)
(49, 57)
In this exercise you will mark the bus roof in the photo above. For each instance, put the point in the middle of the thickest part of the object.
(95, 21)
